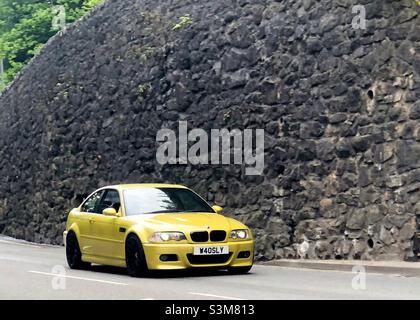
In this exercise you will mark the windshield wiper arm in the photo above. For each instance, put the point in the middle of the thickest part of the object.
(177, 211)
(165, 211)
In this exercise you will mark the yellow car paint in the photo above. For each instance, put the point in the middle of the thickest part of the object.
(102, 237)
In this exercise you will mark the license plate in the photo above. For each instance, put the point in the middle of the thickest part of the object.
(203, 251)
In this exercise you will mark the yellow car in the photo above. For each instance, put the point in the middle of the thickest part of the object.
(155, 227)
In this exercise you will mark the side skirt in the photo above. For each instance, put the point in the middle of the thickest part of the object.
(105, 261)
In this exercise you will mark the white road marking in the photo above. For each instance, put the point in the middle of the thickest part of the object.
(78, 278)
(214, 296)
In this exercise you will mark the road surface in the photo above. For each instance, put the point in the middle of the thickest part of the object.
(29, 271)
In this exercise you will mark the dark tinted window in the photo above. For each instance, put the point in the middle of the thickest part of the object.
(110, 199)
(91, 204)
(160, 200)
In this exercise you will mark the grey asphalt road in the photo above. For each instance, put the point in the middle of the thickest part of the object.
(30, 271)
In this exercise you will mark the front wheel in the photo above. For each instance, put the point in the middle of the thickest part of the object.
(73, 253)
(135, 257)
(239, 270)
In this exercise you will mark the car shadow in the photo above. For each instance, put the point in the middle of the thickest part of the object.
(160, 274)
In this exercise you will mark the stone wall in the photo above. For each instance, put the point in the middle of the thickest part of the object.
(340, 108)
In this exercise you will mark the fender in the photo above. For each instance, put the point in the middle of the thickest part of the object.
(74, 227)
(139, 231)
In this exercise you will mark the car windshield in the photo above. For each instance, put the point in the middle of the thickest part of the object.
(161, 200)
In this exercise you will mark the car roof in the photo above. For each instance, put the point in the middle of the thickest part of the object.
(145, 185)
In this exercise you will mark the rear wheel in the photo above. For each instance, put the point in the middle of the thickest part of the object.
(73, 253)
(239, 270)
(134, 257)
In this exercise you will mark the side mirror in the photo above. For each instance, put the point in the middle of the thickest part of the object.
(217, 209)
(110, 212)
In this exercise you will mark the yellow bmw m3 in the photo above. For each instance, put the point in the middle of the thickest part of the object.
(155, 227)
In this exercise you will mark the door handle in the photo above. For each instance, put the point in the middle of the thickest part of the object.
(91, 220)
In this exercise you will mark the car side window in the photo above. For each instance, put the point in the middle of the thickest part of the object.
(111, 199)
(91, 203)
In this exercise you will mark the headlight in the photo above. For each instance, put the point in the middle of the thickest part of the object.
(239, 234)
(167, 236)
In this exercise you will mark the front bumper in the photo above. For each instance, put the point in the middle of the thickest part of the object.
(184, 251)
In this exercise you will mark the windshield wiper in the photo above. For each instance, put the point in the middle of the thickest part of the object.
(177, 211)
(164, 211)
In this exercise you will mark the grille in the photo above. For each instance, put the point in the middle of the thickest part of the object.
(200, 236)
(218, 235)
(213, 259)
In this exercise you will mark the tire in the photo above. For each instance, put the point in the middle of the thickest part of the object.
(73, 253)
(239, 270)
(135, 257)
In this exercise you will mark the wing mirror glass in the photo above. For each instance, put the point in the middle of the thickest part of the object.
(110, 212)
(217, 209)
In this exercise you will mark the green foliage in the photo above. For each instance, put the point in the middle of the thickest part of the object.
(89, 4)
(143, 89)
(26, 25)
(183, 22)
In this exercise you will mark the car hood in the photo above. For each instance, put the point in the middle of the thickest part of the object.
(184, 221)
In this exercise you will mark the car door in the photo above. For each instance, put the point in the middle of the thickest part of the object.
(108, 238)
(87, 217)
